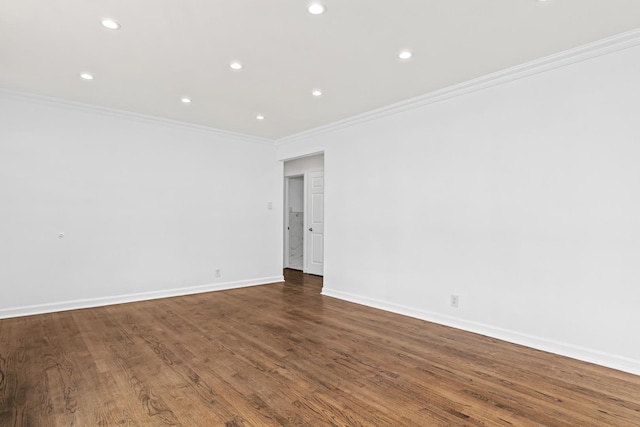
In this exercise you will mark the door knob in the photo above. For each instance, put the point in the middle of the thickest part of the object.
(310, 229)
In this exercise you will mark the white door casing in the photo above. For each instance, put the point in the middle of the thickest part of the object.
(315, 224)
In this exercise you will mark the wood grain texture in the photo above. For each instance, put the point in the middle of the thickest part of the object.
(283, 354)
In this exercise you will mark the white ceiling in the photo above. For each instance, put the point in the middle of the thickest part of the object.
(167, 49)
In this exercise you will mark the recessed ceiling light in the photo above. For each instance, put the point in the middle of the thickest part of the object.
(86, 76)
(235, 66)
(405, 54)
(316, 92)
(317, 8)
(185, 100)
(260, 117)
(110, 24)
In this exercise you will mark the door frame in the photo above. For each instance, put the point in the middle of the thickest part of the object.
(286, 219)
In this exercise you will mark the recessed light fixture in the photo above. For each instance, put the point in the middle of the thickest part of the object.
(86, 76)
(259, 117)
(110, 24)
(405, 54)
(185, 100)
(235, 65)
(316, 92)
(317, 8)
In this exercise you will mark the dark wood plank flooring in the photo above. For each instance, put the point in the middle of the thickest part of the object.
(282, 354)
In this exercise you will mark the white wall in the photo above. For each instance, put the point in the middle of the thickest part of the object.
(296, 194)
(148, 209)
(304, 164)
(523, 199)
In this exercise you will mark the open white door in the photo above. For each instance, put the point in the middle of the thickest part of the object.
(315, 224)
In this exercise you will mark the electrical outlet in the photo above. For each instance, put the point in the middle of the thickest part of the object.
(218, 273)
(455, 299)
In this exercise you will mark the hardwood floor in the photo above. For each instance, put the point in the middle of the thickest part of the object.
(282, 354)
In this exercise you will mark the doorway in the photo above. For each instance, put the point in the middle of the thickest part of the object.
(294, 221)
(304, 214)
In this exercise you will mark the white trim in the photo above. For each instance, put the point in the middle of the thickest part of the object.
(121, 114)
(581, 53)
(294, 174)
(142, 296)
(568, 57)
(580, 353)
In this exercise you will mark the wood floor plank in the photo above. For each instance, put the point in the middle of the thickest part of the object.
(100, 334)
(283, 354)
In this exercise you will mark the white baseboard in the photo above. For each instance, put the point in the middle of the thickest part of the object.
(142, 296)
(584, 354)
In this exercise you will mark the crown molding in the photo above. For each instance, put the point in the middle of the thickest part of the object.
(582, 53)
(122, 114)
